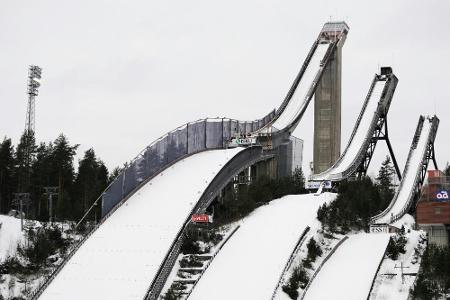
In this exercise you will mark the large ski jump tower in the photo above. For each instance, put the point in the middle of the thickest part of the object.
(327, 105)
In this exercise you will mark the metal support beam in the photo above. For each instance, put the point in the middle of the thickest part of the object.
(391, 151)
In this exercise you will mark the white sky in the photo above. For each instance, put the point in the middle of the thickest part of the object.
(119, 74)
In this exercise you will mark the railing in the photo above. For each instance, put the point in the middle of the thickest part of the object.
(321, 265)
(212, 258)
(290, 260)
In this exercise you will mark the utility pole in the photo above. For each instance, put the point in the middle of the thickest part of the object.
(20, 200)
(51, 191)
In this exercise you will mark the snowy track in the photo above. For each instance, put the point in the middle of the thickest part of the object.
(299, 101)
(349, 273)
(123, 255)
(410, 177)
(250, 264)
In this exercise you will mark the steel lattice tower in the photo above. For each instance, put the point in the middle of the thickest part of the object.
(34, 75)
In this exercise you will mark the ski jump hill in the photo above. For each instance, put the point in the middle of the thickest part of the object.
(129, 254)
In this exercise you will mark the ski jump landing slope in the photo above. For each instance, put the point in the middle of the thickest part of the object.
(251, 263)
(399, 205)
(121, 258)
(376, 104)
(349, 273)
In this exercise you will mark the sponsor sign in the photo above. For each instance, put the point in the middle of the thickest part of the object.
(314, 185)
(379, 229)
(235, 142)
(201, 218)
(442, 196)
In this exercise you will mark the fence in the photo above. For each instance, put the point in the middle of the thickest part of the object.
(185, 140)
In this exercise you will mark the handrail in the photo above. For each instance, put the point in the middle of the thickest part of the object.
(291, 259)
(212, 258)
(321, 265)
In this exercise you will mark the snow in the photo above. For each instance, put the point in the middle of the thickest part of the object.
(349, 273)
(355, 145)
(121, 258)
(391, 287)
(299, 101)
(251, 263)
(413, 167)
(10, 236)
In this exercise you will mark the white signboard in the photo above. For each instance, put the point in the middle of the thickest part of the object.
(235, 142)
(379, 229)
(314, 185)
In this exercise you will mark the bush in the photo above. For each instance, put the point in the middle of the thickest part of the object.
(314, 250)
(298, 279)
(396, 246)
(43, 243)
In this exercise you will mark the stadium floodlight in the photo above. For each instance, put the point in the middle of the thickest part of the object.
(34, 83)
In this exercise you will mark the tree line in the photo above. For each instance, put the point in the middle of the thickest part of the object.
(51, 165)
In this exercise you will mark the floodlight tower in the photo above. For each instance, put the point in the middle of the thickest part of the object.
(34, 76)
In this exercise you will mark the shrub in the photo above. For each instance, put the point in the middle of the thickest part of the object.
(314, 250)
(299, 279)
(396, 246)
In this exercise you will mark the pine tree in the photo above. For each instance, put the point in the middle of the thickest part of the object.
(91, 180)
(62, 156)
(7, 168)
(385, 181)
(447, 170)
(26, 150)
(43, 176)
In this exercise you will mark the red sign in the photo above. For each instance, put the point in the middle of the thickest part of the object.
(200, 218)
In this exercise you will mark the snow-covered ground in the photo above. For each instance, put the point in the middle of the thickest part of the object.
(394, 287)
(251, 263)
(299, 100)
(360, 135)
(413, 167)
(10, 236)
(349, 273)
(123, 255)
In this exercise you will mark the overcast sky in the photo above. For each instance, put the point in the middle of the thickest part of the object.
(119, 74)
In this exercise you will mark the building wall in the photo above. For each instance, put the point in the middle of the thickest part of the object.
(437, 234)
(327, 115)
(290, 155)
(433, 212)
